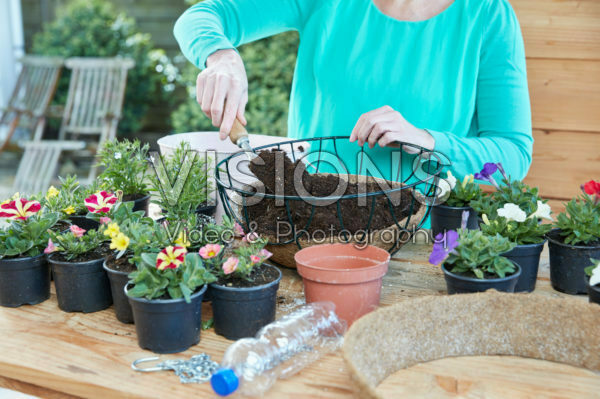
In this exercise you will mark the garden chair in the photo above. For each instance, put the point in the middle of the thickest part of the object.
(90, 117)
(31, 96)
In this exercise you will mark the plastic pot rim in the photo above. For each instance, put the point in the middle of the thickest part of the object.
(109, 270)
(453, 208)
(351, 270)
(22, 259)
(60, 262)
(562, 244)
(484, 280)
(250, 289)
(163, 301)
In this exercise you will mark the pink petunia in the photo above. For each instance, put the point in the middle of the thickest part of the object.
(255, 259)
(77, 231)
(19, 209)
(250, 237)
(264, 254)
(230, 265)
(237, 228)
(209, 251)
(100, 202)
(50, 248)
(105, 220)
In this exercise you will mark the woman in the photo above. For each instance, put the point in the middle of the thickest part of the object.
(447, 75)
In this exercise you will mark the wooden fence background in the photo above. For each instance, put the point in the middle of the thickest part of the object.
(562, 40)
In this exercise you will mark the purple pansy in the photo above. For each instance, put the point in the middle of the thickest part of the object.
(443, 246)
(486, 173)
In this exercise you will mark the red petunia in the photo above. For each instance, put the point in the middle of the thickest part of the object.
(19, 209)
(100, 202)
(592, 187)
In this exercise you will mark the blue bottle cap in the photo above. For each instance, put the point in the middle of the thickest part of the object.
(224, 382)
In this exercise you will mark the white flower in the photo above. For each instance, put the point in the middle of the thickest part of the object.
(451, 180)
(467, 180)
(512, 212)
(595, 277)
(117, 155)
(543, 211)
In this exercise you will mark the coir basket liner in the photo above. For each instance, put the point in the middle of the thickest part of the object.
(284, 253)
(415, 331)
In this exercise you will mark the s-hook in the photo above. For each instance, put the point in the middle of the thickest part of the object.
(198, 369)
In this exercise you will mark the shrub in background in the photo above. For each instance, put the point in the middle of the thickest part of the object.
(93, 28)
(270, 67)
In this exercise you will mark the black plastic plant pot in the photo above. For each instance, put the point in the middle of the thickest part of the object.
(83, 222)
(208, 210)
(81, 286)
(167, 325)
(527, 256)
(567, 264)
(457, 284)
(444, 218)
(118, 281)
(141, 204)
(24, 281)
(593, 292)
(241, 312)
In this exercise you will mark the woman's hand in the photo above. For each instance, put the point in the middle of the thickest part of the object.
(385, 126)
(222, 90)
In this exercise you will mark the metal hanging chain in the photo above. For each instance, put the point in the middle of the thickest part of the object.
(197, 370)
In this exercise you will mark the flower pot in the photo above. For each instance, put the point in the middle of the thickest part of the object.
(457, 284)
(240, 312)
(593, 291)
(83, 222)
(81, 286)
(567, 264)
(344, 274)
(118, 281)
(527, 256)
(141, 204)
(167, 325)
(444, 218)
(208, 210)
(24, 281)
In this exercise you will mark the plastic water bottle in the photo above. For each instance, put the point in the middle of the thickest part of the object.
(252, 365)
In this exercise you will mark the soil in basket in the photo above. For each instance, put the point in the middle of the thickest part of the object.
(355, 216)
(259, 276)
(121, 265)
(98, 253)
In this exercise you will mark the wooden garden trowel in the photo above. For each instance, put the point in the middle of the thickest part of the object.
(239, 136)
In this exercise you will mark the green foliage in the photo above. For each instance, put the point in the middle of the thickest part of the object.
(270, 67)
(528, 232)
(246, 255)
(125, 167)
(479, 253)
(188, 193)
(580, 223)
(511, 191)
(72, 247)
(151, 283)
(93, 28)
(69, 198)
(27, 237)
(464, 192)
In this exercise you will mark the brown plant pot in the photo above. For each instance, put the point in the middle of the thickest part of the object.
(344, 274)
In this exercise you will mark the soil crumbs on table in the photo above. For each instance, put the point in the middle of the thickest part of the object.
(258, 276)
(355, 216)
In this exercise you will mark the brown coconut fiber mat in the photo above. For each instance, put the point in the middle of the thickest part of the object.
(561, 330)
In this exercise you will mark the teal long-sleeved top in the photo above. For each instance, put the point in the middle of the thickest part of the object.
(460, 75)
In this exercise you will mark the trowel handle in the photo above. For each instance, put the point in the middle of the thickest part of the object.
(237, 131)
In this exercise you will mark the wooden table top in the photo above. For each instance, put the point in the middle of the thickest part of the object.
(53, 354)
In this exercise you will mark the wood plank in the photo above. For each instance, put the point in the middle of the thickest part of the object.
(560, 28)
(562, 161)
(90, 355)
(565, 94)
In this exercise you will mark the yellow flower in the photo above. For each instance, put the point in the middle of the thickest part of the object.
(120, 242)
(485, 219)
(52, 192)
(69, 210)
(112, 230)
(182, 240)
(467, 179)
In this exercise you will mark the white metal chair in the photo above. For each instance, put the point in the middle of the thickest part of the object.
(31, 96)
(92, 112)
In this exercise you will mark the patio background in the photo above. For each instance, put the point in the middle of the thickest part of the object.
(562, 40)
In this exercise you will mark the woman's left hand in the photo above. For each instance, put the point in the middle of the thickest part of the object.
(385, 126)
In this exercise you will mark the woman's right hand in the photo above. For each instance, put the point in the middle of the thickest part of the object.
(222, 90)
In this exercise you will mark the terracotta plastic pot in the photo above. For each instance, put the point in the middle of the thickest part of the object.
(344, 274)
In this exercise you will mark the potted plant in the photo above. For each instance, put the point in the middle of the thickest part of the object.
(527, 233)
(471, 261)
(447, 215)
(130, 234)
(68, 202)
(244, 296)
(593, 281)
(188, 173)
(125, 170)
(575, 240)
(24, 272)
(165, 294)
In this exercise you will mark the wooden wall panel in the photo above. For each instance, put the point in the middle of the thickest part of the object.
(560, 28)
